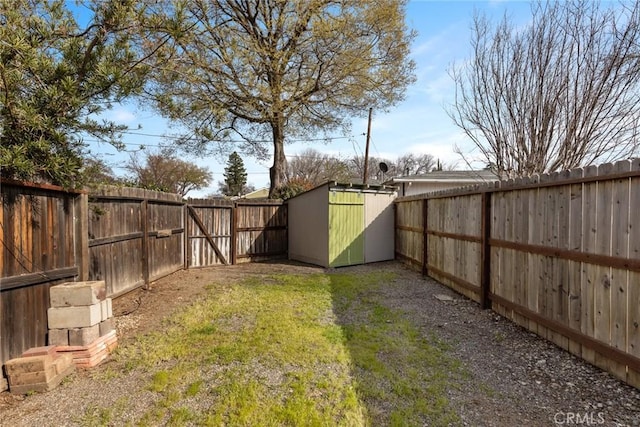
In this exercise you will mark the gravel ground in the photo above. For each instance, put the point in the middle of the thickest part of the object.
(513, 377)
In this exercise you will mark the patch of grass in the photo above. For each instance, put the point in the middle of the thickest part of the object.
(159, 381)
(193, 389)
(314, 350)
(102, 416)
(396, 366)
(96, 416)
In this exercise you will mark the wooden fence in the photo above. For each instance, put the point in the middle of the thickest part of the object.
(41, 246)
(232, 232)
(127, 237)
(136, 236)
(557, 254)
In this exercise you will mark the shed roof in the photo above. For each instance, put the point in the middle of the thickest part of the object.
(349, 186)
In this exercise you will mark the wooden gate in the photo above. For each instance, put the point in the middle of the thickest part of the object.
(209, 227)
(229, 232)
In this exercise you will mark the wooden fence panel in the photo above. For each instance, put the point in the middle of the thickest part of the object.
(135, 236)
(453, 238)
(115, 242)
(633, 294)
(40, 248)
(409, 232)
(562, 256)
(260, 230)
(165, 231)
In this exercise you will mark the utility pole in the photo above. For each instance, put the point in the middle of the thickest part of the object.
(366, 150)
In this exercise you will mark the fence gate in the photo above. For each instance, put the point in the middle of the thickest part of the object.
(209, 227)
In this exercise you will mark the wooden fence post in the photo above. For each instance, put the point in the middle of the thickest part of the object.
(425, 237)
(485, 268)
(234, 234)
(187, 245)
(82, 236)
(144, 219)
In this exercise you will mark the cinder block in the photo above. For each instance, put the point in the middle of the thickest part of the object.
(77, 293)
(33, 377)
(74, 317)
(84, 336)
(106, 306)
(22, 365)
(106, 326)
(58, 337)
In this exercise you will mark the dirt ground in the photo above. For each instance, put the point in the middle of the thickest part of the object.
(514, 377)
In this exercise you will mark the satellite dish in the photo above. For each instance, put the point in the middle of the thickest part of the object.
(383, 167)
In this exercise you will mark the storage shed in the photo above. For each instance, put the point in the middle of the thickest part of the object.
(336, 225)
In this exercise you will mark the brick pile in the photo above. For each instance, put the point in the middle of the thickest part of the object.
(81, 322)
(39, 369)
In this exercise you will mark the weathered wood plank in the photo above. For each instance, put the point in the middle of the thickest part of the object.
(575, 278)
(604, 283)
(589, 273)
(620, 230)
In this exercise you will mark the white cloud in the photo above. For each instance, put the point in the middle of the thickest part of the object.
(121, 115)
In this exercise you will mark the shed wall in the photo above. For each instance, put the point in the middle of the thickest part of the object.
(309, 227)
(379, 227)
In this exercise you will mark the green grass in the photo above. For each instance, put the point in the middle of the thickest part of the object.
(308, 350)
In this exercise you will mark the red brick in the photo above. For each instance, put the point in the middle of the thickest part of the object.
(40, 351)
(43, 386)
(63, 362)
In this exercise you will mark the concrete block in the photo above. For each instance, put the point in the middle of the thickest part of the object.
(74, 317)
(84, 336)
(77, 293)
(58, 337)
(33, 377)
(22, 365)
(106, 326)
(106, 306)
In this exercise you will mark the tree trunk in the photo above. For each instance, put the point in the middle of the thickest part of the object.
(277, 171)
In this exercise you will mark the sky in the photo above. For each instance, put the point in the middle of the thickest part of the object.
(419, 124)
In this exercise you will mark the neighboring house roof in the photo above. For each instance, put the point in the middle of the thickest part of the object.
(260, 193)
(462, 177)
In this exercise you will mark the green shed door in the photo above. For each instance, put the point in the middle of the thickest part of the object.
(346, 228)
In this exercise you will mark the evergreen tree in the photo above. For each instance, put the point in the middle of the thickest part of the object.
(57, 74)
(235, 176)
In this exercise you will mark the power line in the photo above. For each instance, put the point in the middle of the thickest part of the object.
(176, 137)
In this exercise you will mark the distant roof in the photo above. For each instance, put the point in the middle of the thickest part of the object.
(257, 194)
(471, 177)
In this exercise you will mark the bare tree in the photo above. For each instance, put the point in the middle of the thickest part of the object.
(164, 171)
(560, 93)
(269, 70)
(414, 164)
(314, 168)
